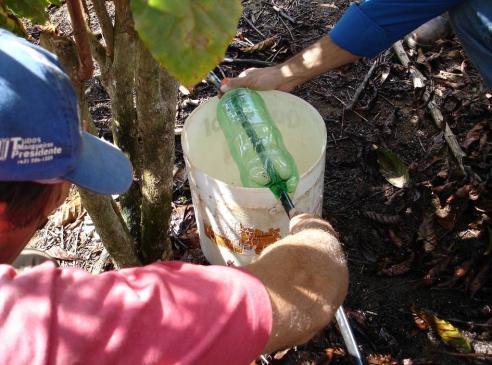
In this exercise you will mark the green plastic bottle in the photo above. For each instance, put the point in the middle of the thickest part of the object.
(255, 142)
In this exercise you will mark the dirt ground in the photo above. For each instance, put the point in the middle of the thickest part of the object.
(413, 253)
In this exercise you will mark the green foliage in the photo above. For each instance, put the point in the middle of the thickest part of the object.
(30, 9)
(394, 170)
(10, 21)
(188, 37)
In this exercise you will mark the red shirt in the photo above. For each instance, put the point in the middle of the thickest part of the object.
(164, 313)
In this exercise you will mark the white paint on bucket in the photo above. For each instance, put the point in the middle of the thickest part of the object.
(235, 223)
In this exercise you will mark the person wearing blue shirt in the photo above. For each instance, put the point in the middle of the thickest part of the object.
(369, 28)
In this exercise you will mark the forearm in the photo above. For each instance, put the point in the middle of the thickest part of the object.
(306, 277)
(322, 56)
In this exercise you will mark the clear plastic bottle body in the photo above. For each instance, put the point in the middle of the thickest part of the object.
(255, 142)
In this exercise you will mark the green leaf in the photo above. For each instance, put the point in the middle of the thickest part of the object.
(394, 170)
(34, 10)
(450, 334)
(188, 37)
(10, 21)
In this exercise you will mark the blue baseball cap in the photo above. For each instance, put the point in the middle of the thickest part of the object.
(40, 135)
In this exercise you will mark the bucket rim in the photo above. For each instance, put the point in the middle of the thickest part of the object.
(243, 188)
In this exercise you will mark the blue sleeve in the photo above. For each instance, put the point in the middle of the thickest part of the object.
(371, 27)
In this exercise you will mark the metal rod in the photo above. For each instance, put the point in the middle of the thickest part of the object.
(348, 336)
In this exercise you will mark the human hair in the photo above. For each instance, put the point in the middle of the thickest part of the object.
(26, 201)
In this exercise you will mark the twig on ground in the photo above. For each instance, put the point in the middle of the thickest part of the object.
(472, 355)
(282, 13)
(341, 102)
(336, 140)
(362, 85)
(253, 26)
(100, 263)
(418, 80)
(247, 60)
(471, 324)
(272, 57)
(288, 29)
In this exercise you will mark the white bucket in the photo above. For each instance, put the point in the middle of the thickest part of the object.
(236, 223)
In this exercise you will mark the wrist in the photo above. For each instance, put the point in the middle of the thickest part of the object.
(289, 76)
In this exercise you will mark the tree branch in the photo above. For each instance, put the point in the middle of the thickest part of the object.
(100, 55)
(80, 32)
(106, 25)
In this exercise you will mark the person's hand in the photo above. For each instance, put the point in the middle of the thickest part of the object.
(268, 78)
(304, 221)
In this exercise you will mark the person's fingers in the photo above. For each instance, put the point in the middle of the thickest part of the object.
(297, 221)
(307, 221)
(241, 81)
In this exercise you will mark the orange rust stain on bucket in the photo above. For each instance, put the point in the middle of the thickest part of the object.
(259, 239)
(249, 238)
(221, 240)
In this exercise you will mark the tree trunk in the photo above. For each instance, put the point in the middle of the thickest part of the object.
(156, 94)
(107, 220)
(121, 85)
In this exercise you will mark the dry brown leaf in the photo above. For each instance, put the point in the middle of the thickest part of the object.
(60, 254)
(419, 320)
(448, 187)
(400, 268)
(439, 266)
(260, 46)
(434, 55)
(395, 239)
(333, 352)
(441, 212)
(385, 74)
(426, 232)
(474, 134)
(463, 191)
(394, 170)
(454, 53)
(69, 212)
(463, 269)
(374, 359)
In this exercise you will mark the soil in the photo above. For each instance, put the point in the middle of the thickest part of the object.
(406, 255)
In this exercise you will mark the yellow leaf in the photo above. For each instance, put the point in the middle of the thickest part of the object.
(451, 335)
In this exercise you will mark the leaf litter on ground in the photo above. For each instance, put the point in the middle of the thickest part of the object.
(394, 170)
